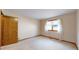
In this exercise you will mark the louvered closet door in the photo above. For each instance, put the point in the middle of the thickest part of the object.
(9, 30)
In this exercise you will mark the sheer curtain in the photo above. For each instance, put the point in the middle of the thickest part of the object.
(57, 25)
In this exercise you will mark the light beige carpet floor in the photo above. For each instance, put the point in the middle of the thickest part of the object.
(40, 43)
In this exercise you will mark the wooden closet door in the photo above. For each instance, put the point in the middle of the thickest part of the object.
(9, 30)
(0, 30)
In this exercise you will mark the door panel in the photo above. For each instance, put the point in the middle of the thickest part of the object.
(9, 30)
(0, 30)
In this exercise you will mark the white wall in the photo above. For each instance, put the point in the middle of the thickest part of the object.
(78, 28)
(27, 27)
(69, 28)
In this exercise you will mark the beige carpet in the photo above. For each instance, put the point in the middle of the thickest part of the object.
(40, 43)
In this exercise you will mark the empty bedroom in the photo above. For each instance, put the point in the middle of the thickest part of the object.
(39, 29)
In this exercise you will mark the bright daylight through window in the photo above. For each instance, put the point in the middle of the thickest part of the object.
(53, 25)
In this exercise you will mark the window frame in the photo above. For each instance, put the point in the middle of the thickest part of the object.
(52, 26)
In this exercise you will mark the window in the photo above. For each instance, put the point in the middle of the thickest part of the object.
(53, 25)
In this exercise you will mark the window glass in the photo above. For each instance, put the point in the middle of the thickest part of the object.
(54, 25)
